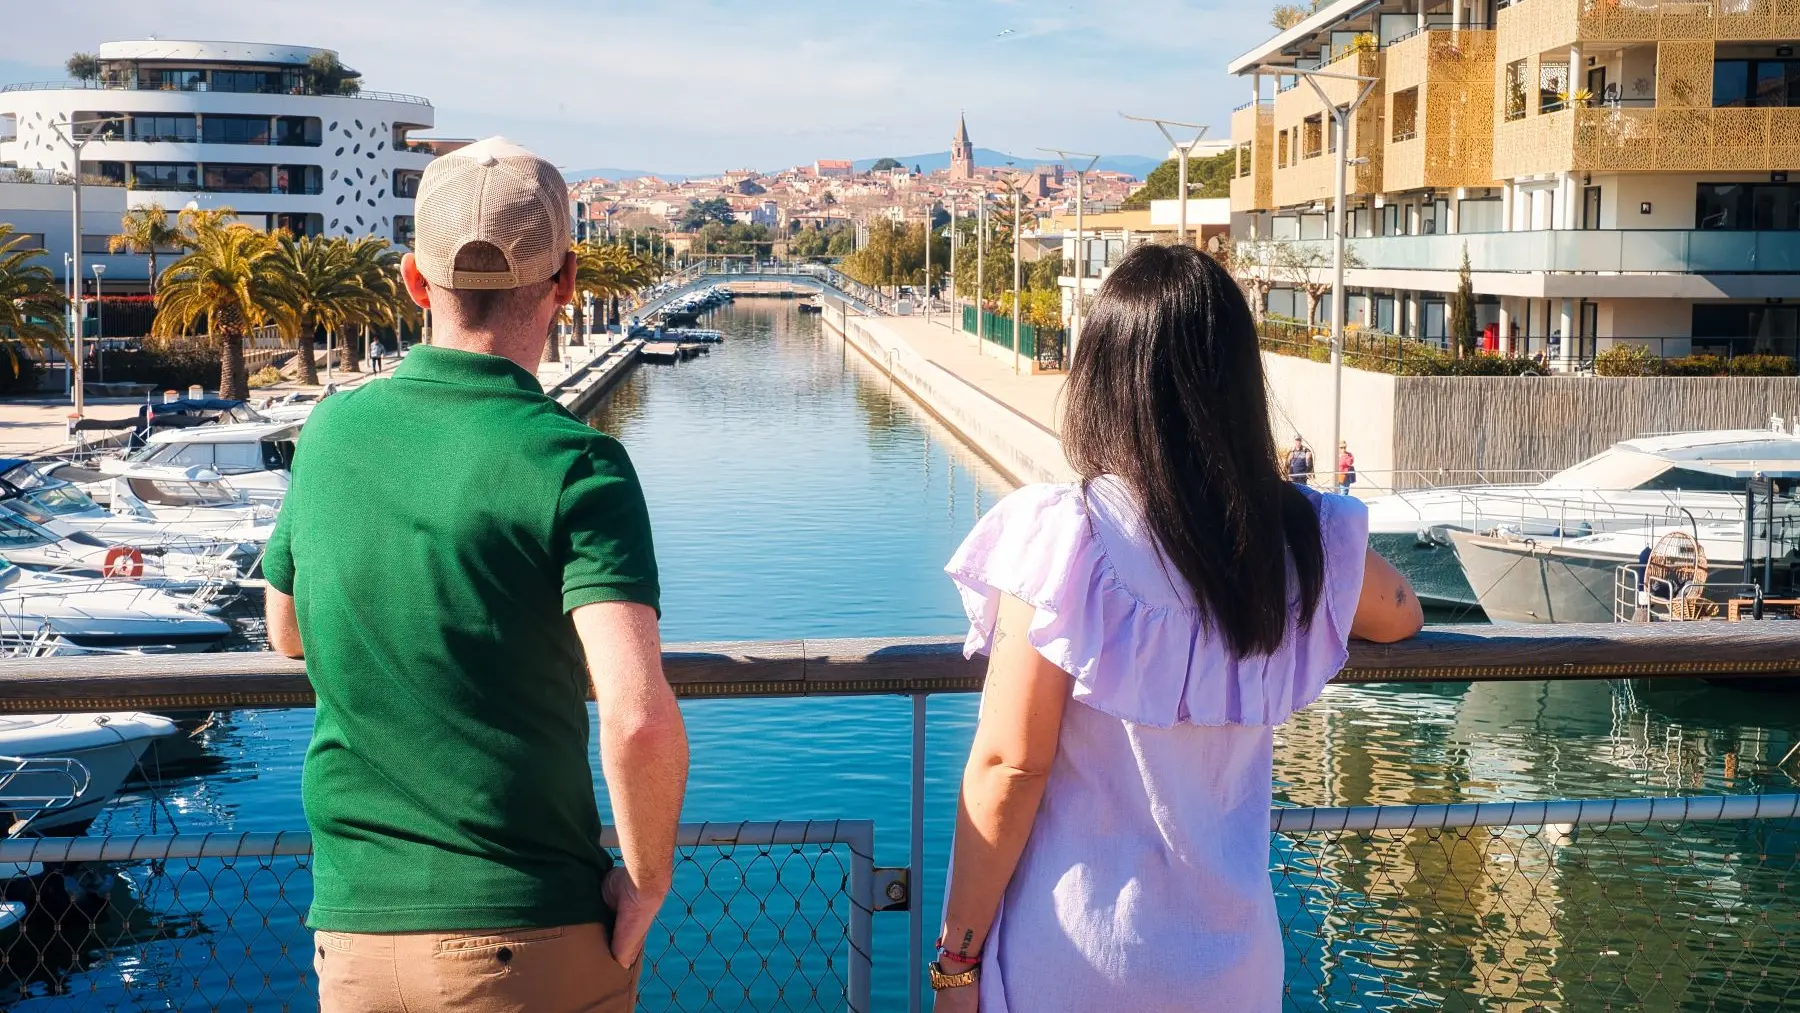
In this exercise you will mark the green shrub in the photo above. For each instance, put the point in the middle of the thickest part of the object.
(1762, 365)
(1493, 364)
(1627, 360)
(1694, 365)
(172, 365)
(268, 376)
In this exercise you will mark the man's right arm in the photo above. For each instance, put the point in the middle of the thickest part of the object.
(644, 756)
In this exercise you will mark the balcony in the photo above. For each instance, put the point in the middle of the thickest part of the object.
(74, 85)
(1254, 185)
(1309, 178)
(1613, 251)
(1537, 26)
(1440, 118)
(1639, 139)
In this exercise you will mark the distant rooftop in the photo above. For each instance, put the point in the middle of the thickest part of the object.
(208, 52)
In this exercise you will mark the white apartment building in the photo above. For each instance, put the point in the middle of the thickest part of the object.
(226, 124)
(1618, 171)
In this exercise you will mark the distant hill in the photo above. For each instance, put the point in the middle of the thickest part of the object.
(1136, 165)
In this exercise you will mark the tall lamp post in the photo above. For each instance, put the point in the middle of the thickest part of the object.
(1069, 159)
(1340, 121)
(68, 131)
(981, 270)
(1187, 154)
(99, 323)
(1018, 230)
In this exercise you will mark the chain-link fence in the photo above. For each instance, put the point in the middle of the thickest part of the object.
(763, 916)
(1642, 904)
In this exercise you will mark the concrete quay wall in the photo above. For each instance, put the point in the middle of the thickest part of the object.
(1024, 450)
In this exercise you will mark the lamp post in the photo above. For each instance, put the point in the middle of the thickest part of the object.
(929, 214)
(1068, 159)
(1018, 229)
(76, 140)
(980, 270)
(1340, 120)
(69, 296)
(99, 323)
(1187, 153)
(950, 317)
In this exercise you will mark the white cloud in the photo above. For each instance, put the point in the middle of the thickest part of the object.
(693, 85)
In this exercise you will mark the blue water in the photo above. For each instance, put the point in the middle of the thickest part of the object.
(795, 494)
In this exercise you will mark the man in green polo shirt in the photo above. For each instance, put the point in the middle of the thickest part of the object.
(456, 557)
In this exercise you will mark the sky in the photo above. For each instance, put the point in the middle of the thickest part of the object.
(685, 86)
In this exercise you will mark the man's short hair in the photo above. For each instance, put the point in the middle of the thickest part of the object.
(482, 307)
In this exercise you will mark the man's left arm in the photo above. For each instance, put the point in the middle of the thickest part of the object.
(278, 598)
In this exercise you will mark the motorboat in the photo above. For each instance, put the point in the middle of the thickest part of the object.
(52, 613)
(58, 771)
(1635, 483)
(252, 458)
(188, 501)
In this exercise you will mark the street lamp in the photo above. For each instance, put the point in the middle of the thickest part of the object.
(1187, 153)
(1340, 121)
(99, 323)
(1068, 159)
(76, 141)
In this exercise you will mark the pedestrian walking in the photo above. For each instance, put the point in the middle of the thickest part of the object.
(1300, 462)
(1146, 628)
(1346, 469)
(375, 354)
(456, 838)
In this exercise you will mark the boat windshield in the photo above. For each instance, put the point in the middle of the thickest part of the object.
(1611, 470)
(53, 494)
(18, 533)
(170, 492)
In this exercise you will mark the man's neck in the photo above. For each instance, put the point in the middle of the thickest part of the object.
(506, 346)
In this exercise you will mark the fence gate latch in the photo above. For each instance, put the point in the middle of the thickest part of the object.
(893, 890)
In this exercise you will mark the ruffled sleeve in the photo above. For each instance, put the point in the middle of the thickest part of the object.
(1147, 662)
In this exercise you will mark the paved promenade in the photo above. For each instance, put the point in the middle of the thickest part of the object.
(990, 369)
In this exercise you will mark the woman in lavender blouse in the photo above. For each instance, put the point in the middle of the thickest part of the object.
(1113, 852)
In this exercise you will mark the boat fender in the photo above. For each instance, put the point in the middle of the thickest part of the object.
(124, 561)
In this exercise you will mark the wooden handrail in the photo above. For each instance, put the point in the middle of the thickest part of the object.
(888, 666)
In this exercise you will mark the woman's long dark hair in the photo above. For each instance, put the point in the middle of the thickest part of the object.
(1167, 393)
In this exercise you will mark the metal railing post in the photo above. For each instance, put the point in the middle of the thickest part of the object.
(858, 987)
(915, 942)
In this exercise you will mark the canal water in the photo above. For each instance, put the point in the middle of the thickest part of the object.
(795, 493)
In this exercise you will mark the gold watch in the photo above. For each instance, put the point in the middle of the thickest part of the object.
(941, 980)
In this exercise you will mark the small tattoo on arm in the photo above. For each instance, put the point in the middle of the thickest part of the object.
(1400, 597)
(999, 635)
(968, 940)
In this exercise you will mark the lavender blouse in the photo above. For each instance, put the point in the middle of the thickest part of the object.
(1145, 883)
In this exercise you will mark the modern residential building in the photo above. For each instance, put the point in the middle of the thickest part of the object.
(1617, 170)
(254, 127)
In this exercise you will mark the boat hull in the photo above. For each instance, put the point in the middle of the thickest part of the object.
(1430, 566)
(1520, 581)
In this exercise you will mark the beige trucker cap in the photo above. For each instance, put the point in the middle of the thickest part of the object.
(492, 191)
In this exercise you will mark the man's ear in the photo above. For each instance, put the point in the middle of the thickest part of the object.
(415, 282)
(565, 280)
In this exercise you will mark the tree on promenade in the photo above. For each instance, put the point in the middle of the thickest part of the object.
(225, 282)
(313, 280)
(31, 300)
(1207, 177)
(1462, 310)
(145, 230)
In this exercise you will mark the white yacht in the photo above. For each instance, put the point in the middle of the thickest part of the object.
(149, 498)
(51, 613)
(251, 458)
(1635, 483)
(57, 771)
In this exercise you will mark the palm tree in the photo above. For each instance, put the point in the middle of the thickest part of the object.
(226, 280)
(376, 265)
(30, 300)
(145, 230)
(314, 280)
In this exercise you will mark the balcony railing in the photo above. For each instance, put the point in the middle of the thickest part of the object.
(75, 85)
(1580, 251)
(1521, 904)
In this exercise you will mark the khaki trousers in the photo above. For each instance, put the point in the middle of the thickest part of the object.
(560, 970)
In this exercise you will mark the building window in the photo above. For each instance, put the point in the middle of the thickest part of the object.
(165, 176)
(1760, 206)
(163, 128)
(237, 178)
(1756, 82)
(22, 241)
(299, 179)
(1281, 149)
(297, 131)
(103, 173)
(171, 79)
(406, 182)
(100, 126)
(1313, 141)
(235, 130)
(96, 244)
(1515, 90)
(254, 82)
(1406, 114)
(299, 224)
(403, 230)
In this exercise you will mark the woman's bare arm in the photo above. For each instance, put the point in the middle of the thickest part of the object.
(1388, 609)
(1009, 764)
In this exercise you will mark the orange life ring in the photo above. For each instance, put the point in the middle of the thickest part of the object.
(124, 561)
